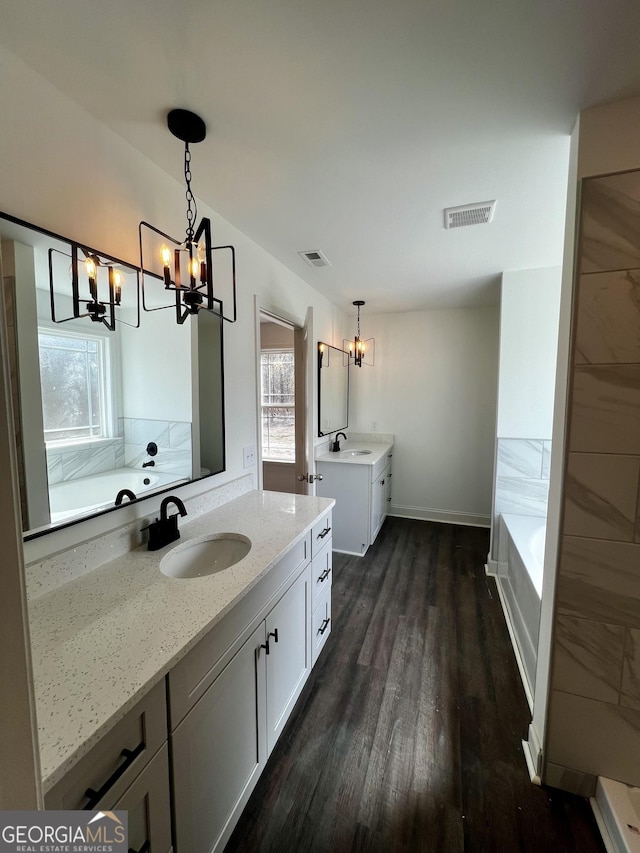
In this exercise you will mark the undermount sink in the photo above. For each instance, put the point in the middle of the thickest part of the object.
(205, 556)
(348, 453)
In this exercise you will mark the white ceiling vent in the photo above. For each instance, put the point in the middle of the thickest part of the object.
(315, 258)
(469, 214)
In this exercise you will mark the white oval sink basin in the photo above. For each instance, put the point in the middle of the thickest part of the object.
(205, 556)
(348, 453)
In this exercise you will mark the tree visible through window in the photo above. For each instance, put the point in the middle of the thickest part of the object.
(72, 380)
(278, 406)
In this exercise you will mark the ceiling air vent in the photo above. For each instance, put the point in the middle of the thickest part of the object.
(315, 258)
(469, 214)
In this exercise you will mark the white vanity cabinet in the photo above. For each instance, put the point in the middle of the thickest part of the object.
(321, 581)
(362, 491)
(127, 770)
(238, 687)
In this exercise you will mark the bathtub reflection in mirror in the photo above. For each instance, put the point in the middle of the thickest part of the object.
(89, 402)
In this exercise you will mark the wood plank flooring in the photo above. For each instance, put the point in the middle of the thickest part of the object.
(407, 736)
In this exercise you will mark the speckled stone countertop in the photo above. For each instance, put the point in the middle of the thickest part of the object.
(102, 641)
(378, 450)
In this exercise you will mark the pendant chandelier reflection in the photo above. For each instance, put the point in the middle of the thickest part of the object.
(360, 352)
(101, 278)
(185, 267)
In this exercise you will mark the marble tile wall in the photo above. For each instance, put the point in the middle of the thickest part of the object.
(72, 463)
(128, 449)
(172, 437)
(594, 709)
(522, 481)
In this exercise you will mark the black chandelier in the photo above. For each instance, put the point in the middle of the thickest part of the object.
(100, 276)
(187, 265)
(360, 352)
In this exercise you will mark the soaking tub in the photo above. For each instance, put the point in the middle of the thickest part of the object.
(617, 810)
(520, 568)
(91, 494)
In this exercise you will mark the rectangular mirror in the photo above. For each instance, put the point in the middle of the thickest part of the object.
(333, 389)
(100, 411)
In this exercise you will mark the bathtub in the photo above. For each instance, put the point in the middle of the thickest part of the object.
(617, 810)
(520, 569)
(73, 498)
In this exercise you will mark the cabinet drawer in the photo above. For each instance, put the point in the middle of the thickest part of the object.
(319, 533)
(321, 574)
(148, 804)
(104, 774)
(190, 678)
(381, 464)
(321, 624)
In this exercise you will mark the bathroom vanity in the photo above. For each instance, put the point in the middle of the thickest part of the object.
(153, 690)
(358, 477)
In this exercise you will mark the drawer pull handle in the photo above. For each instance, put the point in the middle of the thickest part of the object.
(264, 646)
(324, 533)
(324, 575)
(273, 634)
(129, 756)
(144, 849)
(324, 626)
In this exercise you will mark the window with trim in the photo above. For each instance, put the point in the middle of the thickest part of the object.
(278, 406)
(74, 378)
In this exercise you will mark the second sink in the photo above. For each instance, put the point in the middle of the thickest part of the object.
(347, 453)
(205, 556)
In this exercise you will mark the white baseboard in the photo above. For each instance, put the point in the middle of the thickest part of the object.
(446, 516)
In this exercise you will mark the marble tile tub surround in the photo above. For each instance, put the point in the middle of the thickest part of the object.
(44, 576)
(100, 643)
(522, 481)
(75, 462)
(172, 437)
(594, 708)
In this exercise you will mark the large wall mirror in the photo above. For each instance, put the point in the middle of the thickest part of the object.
(98, 411)
(333, 389)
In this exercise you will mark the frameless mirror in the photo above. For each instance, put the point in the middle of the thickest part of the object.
(102, 416)
(333, 389)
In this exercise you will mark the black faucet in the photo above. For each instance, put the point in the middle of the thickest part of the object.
(124, 493)
(335, 446)
(164, 530)
(149, 464)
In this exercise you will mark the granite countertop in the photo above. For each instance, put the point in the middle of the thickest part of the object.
(378, 450)
(100, 642)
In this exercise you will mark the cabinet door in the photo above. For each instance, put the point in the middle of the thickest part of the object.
(289, 658)
(147, 801)
(219, 750)
(379, 502)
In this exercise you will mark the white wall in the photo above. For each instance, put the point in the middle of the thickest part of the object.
(45, 176)
(529, 311)
(434, 387)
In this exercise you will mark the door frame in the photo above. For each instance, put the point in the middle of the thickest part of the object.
(303, 339)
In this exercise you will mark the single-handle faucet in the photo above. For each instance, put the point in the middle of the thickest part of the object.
(124, 493)
(164, 530)
(335, 446)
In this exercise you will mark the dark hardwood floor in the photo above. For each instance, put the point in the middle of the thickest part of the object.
(407, 736)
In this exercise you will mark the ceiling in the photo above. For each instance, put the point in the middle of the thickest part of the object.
(349, 125)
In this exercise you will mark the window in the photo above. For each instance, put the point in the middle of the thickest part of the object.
(278, 402)
(73, 379)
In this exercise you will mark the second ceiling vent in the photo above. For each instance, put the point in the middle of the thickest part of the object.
(315, 258)
(469, 214)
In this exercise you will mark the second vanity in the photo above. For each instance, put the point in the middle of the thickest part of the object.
(358, 477)
(152, 690)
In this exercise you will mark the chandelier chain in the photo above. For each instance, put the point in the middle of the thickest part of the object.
(192, 208)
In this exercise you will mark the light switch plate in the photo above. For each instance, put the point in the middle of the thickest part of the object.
(249, 456)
